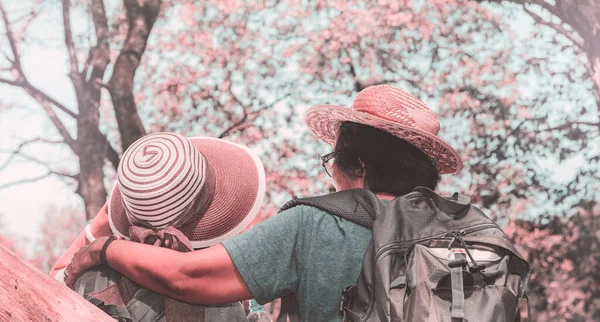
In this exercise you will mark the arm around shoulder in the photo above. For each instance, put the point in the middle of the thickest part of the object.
(206, 276)
(209, 276)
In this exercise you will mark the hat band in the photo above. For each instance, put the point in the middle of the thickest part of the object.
(196, 209)
(169, 237)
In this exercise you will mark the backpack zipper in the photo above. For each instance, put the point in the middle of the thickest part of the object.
(463, 232)
(400, 246)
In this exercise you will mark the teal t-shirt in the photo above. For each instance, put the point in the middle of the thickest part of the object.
(302, 250)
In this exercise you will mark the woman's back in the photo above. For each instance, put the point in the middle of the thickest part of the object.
(311, 253)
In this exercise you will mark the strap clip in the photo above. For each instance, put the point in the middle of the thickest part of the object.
(458, 263)
(347, 293)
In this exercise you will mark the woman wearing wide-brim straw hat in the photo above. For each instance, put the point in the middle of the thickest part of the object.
(387, 142)
(177, 193)
(202, 189)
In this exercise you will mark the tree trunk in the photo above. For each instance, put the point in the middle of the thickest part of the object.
(91, 154)
(140, 20)
(26, 294)
(91, 147)
(584, 17)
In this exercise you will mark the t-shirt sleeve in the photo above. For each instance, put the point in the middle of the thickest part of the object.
(266, 255)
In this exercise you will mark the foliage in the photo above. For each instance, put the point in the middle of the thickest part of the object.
(8, 240)
(565, 256)
(60, 227)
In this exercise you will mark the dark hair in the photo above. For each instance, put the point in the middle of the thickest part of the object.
(391, 165)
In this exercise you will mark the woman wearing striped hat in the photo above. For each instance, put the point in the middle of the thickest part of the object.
(387, 142)
(177, 193)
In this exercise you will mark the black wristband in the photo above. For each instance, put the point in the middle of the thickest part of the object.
(103, 249)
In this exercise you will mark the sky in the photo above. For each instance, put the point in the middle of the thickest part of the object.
(22, 206)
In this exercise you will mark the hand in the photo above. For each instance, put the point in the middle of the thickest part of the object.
(84, 259)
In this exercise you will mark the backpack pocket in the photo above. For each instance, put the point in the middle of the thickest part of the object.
(397, 294)
(442, 284)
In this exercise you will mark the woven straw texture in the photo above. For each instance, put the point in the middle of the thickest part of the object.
(392, 110)
(232, 201)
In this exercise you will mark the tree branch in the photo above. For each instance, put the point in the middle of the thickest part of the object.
(86, 66)
(141, 16)
(31, 90)
(497, 149)
(32, 15)
(49, 99)
(17, 151)
(21, 80)
(240, 121)
(35, 179)
(44, 100)
(254, 113)
(112, 156)
(60, 127)
(558, 27)
(28, 180)
(73, 62)
(9, 82)
(111, 153)
(11, 39)
(569, 124)
(98, 57)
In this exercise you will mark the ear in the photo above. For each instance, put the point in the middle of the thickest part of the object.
(363, 170)
(362, 165)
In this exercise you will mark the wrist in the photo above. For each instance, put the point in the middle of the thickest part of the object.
(102, 253)
(96, 248)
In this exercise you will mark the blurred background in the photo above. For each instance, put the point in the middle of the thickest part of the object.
(516, 84)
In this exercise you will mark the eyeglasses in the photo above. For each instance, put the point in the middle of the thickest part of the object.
(326, 162)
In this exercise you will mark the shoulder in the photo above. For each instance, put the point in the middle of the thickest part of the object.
(332, 201)
(305, 215)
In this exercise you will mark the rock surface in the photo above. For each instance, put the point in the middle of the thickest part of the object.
(27, 294)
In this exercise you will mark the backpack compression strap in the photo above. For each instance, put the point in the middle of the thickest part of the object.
(289, 308)
(356, 205)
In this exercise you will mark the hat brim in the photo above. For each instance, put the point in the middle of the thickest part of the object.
(239, 191)
(324, 121)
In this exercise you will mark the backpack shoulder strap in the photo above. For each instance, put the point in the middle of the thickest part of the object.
(289, 309)
(457, 204)
(356, 205)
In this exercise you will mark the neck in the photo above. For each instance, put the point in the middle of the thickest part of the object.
(385, 196)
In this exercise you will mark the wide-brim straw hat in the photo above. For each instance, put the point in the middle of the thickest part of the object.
(210, 189)
(392, 110)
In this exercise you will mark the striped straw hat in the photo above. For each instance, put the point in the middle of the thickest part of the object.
(210, 189)
(392, 110)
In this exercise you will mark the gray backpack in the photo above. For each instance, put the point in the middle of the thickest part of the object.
(126, 301)
(430, 259)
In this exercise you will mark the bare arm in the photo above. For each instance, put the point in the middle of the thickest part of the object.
(205, 276)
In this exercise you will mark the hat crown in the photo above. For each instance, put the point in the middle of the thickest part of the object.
(159, 176)
(398, 106)
(394, 111)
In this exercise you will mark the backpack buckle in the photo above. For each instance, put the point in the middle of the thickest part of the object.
(458, 262)
(347, 293)
(477, 268)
